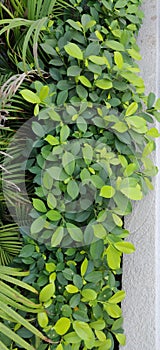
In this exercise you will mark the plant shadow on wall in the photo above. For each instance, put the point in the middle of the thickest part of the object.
(84, 134)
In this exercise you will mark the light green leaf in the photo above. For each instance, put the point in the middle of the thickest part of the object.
(42, 319)
(118, 221)
(76, 25)
(83, 330)
(107, 191)
(99, 231)
(70, 288)
(133, 193)
(98, 325)
(121, 338)
(53, 215)
(129, 170)
(125, 247)
(39, 205)
(113, 257)
(62, 325)
(38, 129)
(89, 294)
(132, 108)
(44, 92)
(97, 60)
(120, 127)
(72, 338)
(73, 189)
(87, 154)
(74, 71)
(85, 81)
(47, 292)
(38, 224)
(57, 237)
(153, 132)
(68, 161)
(73, 50)
(84, 266)
(113, 310)
(104, 84)
(114, 45)
(134, 54)
(117, 297)
(52, 140)
(118, 58)
(30, 96)
(75, 232)
(51, 201)
(149, 148)
(121, 3)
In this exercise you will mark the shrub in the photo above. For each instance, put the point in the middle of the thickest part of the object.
(88, 157)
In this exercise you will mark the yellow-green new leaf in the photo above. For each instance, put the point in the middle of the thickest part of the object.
(107, 191)
(121, 338)
(47, 292)
(113, 310)
(73, 50)
(62, 325)
(117, 297)
(42, 318)
(118, 58)
(113, 257)
(70, 288)
(125, 247)
(132, 108)
(104, 84)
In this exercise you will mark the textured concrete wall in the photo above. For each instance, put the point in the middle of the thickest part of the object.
(141, 276)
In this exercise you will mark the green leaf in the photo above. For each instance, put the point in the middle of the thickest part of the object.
(121, 3)
(62, 97)
(134, 54)
(107, 191)
(73, 50)
(121, 338)
(89, 294)
(153, 132)
(62, 325)
(114, 45)
(73, 189)
(125, 247)
(85, 81)
(42, 319)
(70, 288)
(44, 92)
(118, 58)
(38, 129)
(51, 201)
(104, 84)
(99, 231)
(75, 232)
(113, 257)
(64, 133)
(132, 108)
(150, 100)
(120, 127)
(96, 249)
(30, 96)
(53, 215)
(97, 60)
(117, 297)
(84, 266)
(76, 25)
(133, 193)
(57, 237)
(130, 168)
(83, 330)
(113, 310)
(98, 325)
(149, 148)
(157, 105)
(74, 71)
(38, 224)
(39, 205)
(47, 292)
(52, 140)
(68, 161)
(72, 338)
(87, 154)
(118, 221)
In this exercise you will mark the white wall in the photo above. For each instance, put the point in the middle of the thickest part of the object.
(141, 270)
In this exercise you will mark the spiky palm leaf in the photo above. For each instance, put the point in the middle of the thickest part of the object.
(11, 300)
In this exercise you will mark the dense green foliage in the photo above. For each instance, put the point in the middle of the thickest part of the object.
(75, 81)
